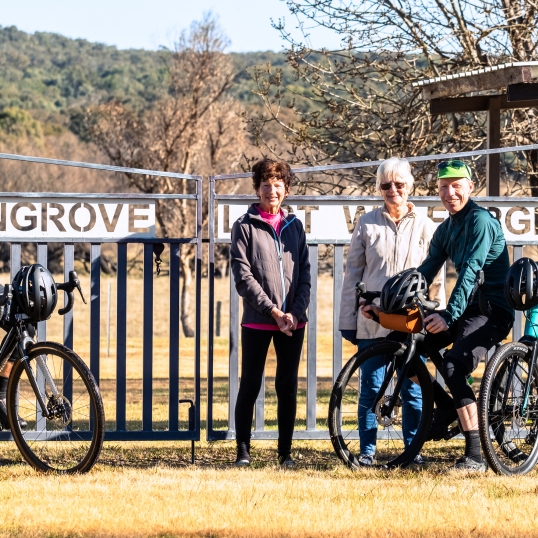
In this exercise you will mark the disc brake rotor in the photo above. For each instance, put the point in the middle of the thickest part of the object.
(382, 419)
(59, 409)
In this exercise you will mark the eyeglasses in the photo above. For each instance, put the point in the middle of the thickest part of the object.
(451, 164)
(386, 186)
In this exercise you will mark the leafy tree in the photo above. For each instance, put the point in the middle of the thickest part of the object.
(365, 105)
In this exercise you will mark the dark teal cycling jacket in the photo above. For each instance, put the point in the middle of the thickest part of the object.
(473, 239)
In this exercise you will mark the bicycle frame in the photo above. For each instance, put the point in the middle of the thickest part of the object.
(409, 347)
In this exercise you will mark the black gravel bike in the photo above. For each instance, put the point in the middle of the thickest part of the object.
(344, 406)
(53, 391)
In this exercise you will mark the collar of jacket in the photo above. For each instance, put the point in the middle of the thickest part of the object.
(410, 213)
(253, 214)
(459, 217)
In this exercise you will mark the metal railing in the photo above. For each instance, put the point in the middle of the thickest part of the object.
(503, 207)
(124, 428)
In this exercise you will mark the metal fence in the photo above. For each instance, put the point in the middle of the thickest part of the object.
(123, 429)
(518, 215)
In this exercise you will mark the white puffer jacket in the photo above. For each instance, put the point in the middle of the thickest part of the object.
(379, 249)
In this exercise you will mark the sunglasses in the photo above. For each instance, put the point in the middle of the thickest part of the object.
(452, 164)
(386, 186)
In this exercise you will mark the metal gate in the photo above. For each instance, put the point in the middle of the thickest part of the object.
(120, 423)
(516, 214)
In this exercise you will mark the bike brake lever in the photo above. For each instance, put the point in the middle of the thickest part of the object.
(80, 291)
(75, 282)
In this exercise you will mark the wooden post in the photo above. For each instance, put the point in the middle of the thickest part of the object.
(493, 166)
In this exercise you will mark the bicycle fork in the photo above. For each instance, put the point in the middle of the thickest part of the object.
(24, 342)
(534, 354)
(387, 408)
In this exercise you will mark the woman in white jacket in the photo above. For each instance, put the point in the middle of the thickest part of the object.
(385, 241)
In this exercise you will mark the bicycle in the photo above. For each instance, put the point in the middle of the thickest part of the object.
(344, 402)
(50, 387)
(508, 403)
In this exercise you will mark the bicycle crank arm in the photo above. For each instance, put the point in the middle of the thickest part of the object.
(33, 382)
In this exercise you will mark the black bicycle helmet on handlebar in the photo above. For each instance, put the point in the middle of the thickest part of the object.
(521, 284)
(399, 290)
(35, 292)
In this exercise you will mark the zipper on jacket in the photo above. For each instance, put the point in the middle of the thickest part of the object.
(278, 244)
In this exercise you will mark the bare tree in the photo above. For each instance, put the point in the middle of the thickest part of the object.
(196, 128)
(362, 105)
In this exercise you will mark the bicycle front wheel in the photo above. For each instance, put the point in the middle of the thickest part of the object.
(508, 419)
(346, 404)
(70, 438)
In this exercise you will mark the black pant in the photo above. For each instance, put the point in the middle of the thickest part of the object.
(471, 336)
(255, 344)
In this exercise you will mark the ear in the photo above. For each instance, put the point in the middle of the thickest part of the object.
(472, 186)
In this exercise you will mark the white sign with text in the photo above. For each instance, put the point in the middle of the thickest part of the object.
(336, 220)
(82, 219)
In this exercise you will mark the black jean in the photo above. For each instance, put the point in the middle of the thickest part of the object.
(255, 344)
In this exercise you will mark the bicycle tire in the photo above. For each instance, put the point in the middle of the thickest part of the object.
(344, 406)
(509, 439)
(72, 440)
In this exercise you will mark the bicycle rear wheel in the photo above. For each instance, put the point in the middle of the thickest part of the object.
(70, 441)
(508, 432)
(344, 410)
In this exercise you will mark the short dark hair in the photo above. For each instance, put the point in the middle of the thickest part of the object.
(268, 168)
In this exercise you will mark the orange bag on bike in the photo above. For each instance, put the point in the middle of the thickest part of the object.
(410, 323)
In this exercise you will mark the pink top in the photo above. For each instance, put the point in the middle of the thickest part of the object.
(276, 222)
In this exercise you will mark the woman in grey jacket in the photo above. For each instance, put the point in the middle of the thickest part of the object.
(385, 241)
(269, 261)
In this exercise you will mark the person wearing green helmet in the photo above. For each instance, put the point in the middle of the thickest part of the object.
(473, 239)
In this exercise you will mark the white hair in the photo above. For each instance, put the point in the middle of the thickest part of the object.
(394, 169)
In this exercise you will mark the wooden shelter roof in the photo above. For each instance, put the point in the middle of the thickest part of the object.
(487, 78)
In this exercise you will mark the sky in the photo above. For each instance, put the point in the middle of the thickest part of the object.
(148, 24)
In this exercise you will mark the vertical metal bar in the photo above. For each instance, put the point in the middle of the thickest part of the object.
(121, 339)
(338, 279)
(69, 265)
(15, 262)
(41, 421)
(233, 375)
(42, 260)
(147, 346)
(259, 415)
(95, 309)
(198, 312)
(311, 376)
(108, 320)
(173, 389)
(211, 306)
(517, 331)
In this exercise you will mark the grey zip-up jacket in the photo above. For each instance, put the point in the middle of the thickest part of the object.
(379, 249)
(270, 270)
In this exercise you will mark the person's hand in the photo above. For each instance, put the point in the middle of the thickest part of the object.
(366, 309)
(350, 336)
(284, 323)
(435, 324)
(293, 320)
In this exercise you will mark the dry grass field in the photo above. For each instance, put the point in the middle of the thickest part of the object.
(150, 489)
